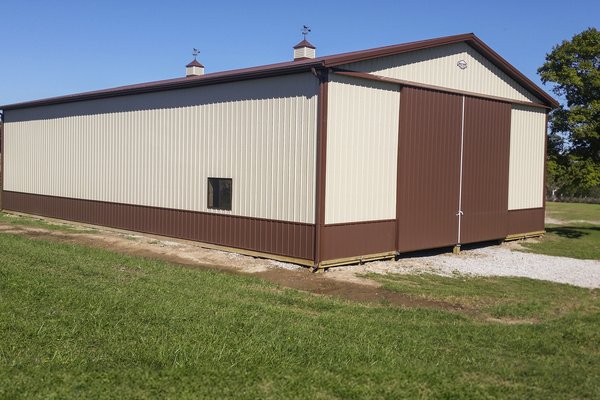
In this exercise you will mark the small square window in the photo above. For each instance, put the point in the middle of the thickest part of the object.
(219, 193)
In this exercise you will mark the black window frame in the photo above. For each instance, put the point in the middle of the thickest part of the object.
(218, 200)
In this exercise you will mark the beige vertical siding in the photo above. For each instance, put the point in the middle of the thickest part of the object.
(260, 133)
(437, 66)
(362, 147)
(526, 169)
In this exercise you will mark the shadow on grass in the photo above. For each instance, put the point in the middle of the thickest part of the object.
(572, 232)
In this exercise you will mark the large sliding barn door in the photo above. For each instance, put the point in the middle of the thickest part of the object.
(453, 159)
(486, 155)
(428, 169)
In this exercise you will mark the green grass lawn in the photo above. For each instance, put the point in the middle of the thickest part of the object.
(77, 322)
(574, 240)
(578, 237)
(32, 221)
(518, 299)
(574, 211)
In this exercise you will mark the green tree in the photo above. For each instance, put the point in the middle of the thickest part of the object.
(574, 143)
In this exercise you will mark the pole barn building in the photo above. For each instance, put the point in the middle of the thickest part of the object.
(320, 161)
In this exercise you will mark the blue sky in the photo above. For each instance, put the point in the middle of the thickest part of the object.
(61, 47)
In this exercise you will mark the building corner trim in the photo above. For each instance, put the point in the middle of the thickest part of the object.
(323, 77)
(2, 156)
(545, 182)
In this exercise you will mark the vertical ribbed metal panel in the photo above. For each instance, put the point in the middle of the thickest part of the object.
(284, 238)
(526, 170)
(358, 239)
(428, 169)
(162, 157)
(526, 221)
(485, 170)
(437, 66)
(362, 142)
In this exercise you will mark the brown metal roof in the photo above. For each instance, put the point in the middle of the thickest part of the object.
(304, 43)
(299, 66)
(195, 63)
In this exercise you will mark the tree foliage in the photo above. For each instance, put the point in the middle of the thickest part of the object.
(574, 141)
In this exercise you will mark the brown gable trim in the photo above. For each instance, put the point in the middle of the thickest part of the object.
(509, 69)
(373, 77)
(362, 55)
(469, 38)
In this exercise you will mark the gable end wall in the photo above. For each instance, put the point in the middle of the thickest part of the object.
(438, 66)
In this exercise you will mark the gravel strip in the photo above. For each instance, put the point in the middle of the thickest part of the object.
(500, 260)
(491, 261)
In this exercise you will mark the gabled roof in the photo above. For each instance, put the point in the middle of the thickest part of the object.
(300, 66)
(195, 63)
(304, 43)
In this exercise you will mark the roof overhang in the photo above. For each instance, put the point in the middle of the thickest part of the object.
(178, 83)
(297, 67)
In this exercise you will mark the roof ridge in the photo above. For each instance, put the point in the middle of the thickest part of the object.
(299, 66)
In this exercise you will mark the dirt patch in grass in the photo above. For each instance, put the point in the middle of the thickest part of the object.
(513, 321)
(321, 284)
(360, 289)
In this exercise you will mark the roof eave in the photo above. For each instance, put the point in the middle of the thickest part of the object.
(328, 61)
(179, 84)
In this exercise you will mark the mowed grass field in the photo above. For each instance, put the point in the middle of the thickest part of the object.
(579, 212)
(574, 232)
(77, 322)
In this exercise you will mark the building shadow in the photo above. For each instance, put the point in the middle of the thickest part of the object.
(446, 250)
(572, 232)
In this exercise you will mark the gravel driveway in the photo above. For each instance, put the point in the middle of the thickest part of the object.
(502, 260)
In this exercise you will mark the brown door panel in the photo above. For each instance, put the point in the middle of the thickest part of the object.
(428, 169)
(485, 170)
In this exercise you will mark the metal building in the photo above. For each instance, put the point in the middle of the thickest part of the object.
(320, 160)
